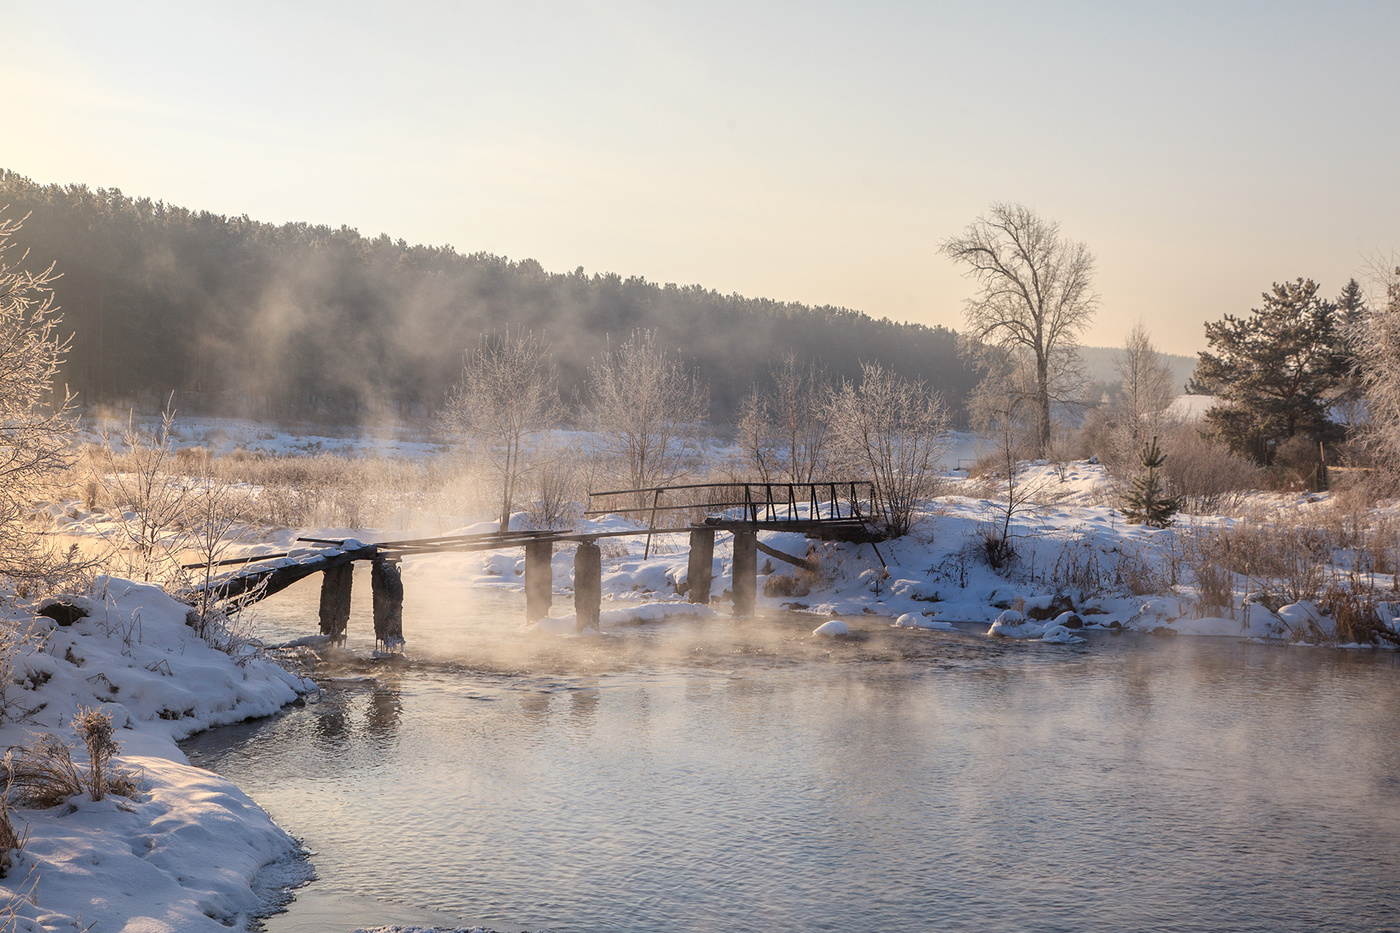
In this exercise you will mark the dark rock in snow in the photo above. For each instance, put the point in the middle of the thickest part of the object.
(63, 613)
(1058, 606)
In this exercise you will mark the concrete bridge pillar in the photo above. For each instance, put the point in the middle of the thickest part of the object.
(701, 566)
(539, 579)
(386, 582)
(335, 599)
(588, 585)
(744, 585)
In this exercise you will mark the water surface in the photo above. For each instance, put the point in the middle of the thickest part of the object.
(741, 775)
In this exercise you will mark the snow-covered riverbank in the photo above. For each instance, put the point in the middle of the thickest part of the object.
(190, 851)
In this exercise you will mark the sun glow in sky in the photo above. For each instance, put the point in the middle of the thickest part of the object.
(813, 152)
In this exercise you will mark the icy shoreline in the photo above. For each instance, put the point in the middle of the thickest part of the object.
(191, 851)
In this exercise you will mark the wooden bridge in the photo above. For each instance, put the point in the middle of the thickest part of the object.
(829, 511)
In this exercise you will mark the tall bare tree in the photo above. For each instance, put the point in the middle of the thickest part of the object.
(508, 393)
(36, 420)
(1036, 294)
(646, 411)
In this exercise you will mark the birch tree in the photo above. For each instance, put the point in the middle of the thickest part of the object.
(508, 394)
(1035, 295)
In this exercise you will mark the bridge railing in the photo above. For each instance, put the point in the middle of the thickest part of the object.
(845, 501)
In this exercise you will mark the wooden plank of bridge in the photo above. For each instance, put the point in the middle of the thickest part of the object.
(386, 584)
(539, 579)
(588, 585)
(744, 585)
(701, 567)
(335, 600)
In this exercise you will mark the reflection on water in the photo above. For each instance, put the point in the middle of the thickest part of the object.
(727, 775)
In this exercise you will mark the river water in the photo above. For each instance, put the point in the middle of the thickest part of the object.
(713, 774)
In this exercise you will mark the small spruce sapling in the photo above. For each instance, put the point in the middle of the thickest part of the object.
(1147, 503)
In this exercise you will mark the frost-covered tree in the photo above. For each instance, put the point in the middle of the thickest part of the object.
(895, 430)
(1274, 371)
(784, 432)
(507, 394)
(1147, 390)
(1377, 339)
(1036, 295)
(646, 412)
(36, 418)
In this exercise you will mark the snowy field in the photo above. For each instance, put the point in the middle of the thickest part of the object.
(191, 852)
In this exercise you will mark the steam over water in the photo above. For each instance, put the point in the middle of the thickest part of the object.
(724, 775)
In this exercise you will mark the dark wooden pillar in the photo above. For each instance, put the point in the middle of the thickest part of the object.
(744, 585)
(539, 579)
(588, 585)
(335, 599)
(386, 583)
(701, 566)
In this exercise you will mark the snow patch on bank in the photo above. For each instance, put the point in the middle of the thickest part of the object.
(186, 853)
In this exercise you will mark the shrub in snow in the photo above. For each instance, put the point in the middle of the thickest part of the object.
(94, 727)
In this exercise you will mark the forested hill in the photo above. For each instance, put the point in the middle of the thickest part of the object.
(300, 321)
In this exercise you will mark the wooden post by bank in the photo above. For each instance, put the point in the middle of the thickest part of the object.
(539, 579)
(386, 583)
(335, 599)
(588, 585)
(701, 565)
(744, 585)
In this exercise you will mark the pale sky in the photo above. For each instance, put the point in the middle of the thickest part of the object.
(813, 152)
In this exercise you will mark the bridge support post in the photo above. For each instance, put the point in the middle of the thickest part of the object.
(744, 585)
(700, 569)
(539, 579)
(588, 585)
(386, 582)
(335, 599)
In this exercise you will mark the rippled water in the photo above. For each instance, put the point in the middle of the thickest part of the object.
(725, 775)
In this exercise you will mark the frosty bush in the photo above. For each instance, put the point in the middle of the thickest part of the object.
(1204, 475)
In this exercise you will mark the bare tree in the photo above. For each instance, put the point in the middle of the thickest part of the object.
(137, 475)
(998, 409)
(508, 393)
(1148, 389)
(756, 435)
(36, 421)
(646, 412)
(784, 433)
(1377, 344)
(895, 429)
(215, 513)
(1036, 294)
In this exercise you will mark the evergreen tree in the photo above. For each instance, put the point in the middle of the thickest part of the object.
(1274, 371)
(1148, 504)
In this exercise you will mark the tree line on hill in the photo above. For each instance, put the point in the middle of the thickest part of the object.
(311, 322)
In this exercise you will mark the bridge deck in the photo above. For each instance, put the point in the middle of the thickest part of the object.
(817, 510)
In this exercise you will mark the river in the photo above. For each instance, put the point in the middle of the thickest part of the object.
(715, 774)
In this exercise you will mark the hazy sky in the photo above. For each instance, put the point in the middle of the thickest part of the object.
(816, 152)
